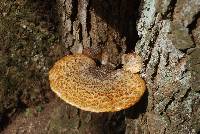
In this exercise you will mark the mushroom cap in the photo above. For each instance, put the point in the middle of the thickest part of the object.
(77, 81)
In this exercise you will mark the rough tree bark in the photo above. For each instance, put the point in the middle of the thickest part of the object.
(166, 34)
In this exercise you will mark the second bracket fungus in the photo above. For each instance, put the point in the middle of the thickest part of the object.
(78, 81)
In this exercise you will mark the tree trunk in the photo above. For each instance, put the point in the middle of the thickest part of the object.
(166, 35)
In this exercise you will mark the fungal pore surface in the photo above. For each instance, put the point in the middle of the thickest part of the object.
(78, 81)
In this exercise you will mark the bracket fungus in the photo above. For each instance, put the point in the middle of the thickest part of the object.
(78, 81)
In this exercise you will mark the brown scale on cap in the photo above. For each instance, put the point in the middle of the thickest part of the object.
(78, 81)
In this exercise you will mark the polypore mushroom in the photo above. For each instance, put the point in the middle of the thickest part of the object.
(78, 81)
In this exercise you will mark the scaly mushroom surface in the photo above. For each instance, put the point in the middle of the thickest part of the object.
(78, 81)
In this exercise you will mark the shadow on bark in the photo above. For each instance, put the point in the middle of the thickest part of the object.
(139, 108)
(122, 15)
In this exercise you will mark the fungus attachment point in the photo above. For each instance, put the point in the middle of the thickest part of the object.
(78, 81)
(132, 62)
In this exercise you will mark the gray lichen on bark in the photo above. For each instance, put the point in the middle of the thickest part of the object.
(172, 101)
